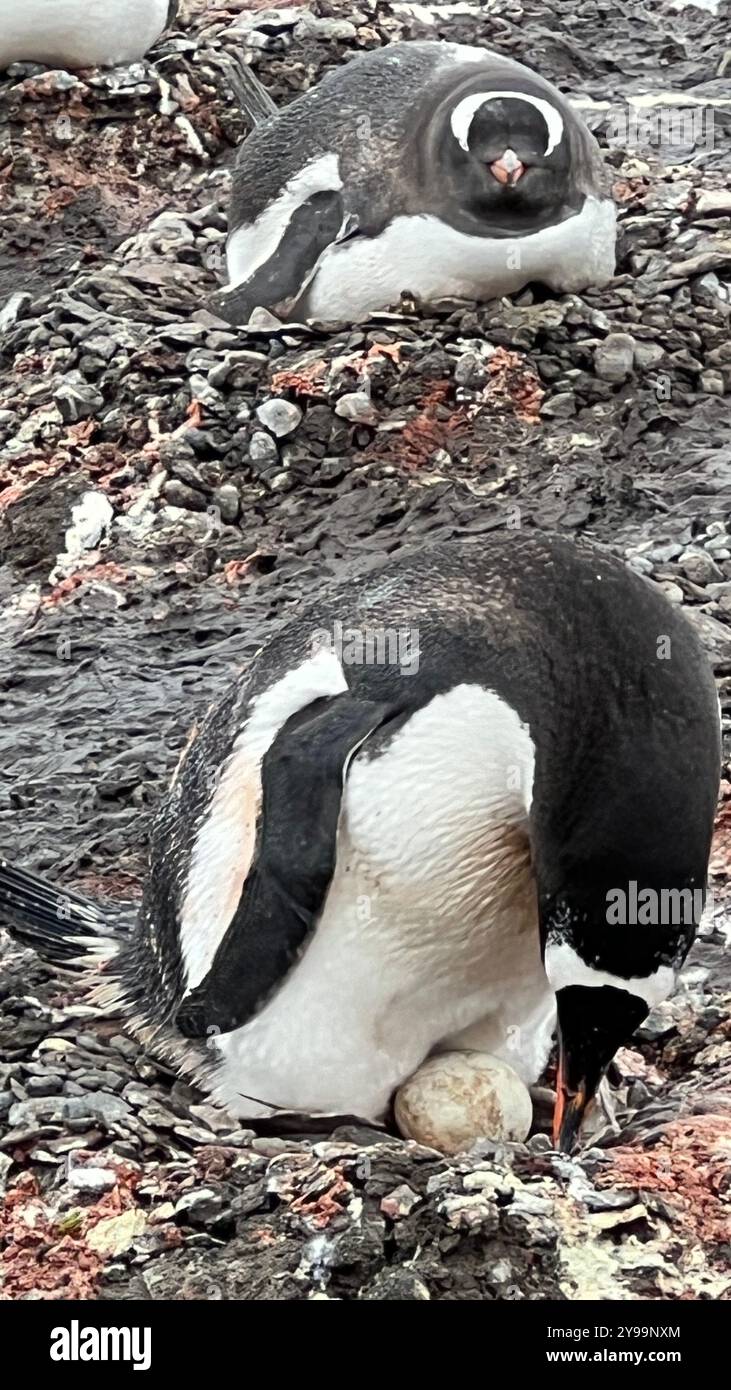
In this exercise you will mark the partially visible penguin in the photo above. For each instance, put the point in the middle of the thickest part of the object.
(433, 168)
(410, 828)
(81, 33)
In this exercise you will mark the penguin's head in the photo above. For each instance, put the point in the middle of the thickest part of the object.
(512, 156)
(611, 953)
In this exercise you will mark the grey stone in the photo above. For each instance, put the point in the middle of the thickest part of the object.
(698, 566)
(329, 30)
(661, 554)
(614, 358)
(76, 398)
(712, 383)
(262, 448)
(94, 1105)
(44, 1085)
(12, 310)
(94, 1181)
(201, 1208)
(648, 355)
(180, 495)
(226, 498)
(280, 417)
(559, 407)
(356, 405)
(714, 202)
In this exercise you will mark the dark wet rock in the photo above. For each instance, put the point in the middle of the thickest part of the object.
(180, 495)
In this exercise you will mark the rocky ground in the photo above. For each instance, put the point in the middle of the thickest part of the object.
(234, 473)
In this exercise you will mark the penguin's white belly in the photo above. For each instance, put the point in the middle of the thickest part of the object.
(432, 260)
(429, 927)
(79, 33)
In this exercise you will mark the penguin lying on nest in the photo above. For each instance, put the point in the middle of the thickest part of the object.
(404, 831)
(81, 33)
(433, 168)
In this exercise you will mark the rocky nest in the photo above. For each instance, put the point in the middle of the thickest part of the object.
(232, 473)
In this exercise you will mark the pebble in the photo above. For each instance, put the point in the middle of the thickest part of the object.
(648, 355)
(76, 398)
(94, 1181)
(180, 495)
(559, 407)
(471, 1213)
(614, 357)
(262, 449)
(226, 498)
(326, 30)
(356, 405)
(399, 1203)
(714, 202)
(201, 1208)
(699, 566)
(13, 309)
(712, 382)
(280, 417)
(47, 1085)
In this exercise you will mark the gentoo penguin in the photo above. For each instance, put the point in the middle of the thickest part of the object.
(410, 828)
(433, 168)
(81, 33)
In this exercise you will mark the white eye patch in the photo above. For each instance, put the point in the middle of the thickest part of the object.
(464, 114)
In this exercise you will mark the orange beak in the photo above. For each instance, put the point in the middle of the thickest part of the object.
(568, 1112)
(508, 168)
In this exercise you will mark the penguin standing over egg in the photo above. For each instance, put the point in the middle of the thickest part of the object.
(373, 855)
(432, 168)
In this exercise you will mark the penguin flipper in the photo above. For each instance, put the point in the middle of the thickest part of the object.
(281, 280)
(303, 774)
(251, 94)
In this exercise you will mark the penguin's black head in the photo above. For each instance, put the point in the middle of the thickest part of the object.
(610, 954)
(511, 156)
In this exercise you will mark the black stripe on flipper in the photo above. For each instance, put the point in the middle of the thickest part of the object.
(302, 783)
(278, 283)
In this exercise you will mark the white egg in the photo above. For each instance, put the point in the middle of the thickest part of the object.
(458, 1097)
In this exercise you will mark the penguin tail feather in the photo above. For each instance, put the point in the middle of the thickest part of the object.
(251, 95)
(68, 931)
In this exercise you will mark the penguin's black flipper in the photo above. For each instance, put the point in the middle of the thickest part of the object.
(303, 775)
(277, 284)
